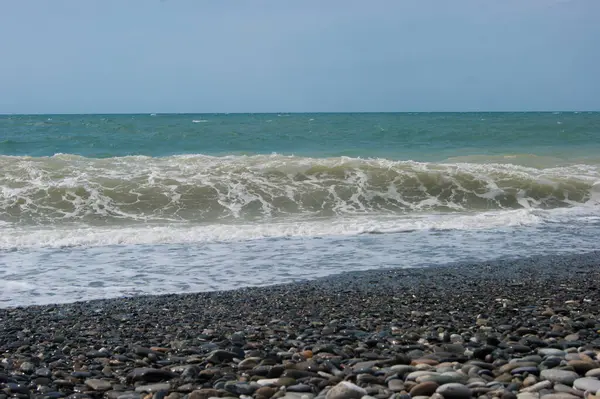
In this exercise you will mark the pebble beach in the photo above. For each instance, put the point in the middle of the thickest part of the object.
(526, 329)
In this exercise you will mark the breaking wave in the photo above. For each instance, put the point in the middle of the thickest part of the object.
(208, 189)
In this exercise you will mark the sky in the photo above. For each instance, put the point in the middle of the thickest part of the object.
(116, 56)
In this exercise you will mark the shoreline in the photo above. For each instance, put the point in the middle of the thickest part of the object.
(549, 266)
(365, 332)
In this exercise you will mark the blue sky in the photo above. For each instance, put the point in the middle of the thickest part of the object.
(85, 56)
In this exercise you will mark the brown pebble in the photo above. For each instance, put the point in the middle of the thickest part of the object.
(159, 349)
(426, 388)
(581, 366)
(204, 393)
(430, 362)
(265, 392)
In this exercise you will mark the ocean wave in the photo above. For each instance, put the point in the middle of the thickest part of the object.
(209, 189)
(79, 235)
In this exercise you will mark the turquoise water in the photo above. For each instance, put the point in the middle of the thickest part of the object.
(419, 136)
(95, 206)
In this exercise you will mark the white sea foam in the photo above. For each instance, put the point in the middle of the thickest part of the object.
(204, 189)
(76, 235)
(34, 275)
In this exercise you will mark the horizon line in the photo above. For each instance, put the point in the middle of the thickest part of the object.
(290, 112)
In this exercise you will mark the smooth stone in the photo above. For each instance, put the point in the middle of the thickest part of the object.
(299, 388)
(567, 389)
(221, 356)
(573, 356)
(27, 367)
(551, 362)
(509, 367)
(346, 390)
(416, 374)
(402, 369)
(523, 370)
(298, 395)
(430, 362)
(43, 372)
(265, 392)
(150, 375)
(476, 384)
(538, 387)
(445, 378)
(249, 363)
(427, 388)
(153, 388)
(480, 364)
(561, 376)
(267, 382)
(203, 393)
(292, 373)
(445, 369)
(363, 365)
(396, 385)
(239, 388)
(587, 384)
(98, 385)
(285, 381)
(17, 388)
(581, 366)
(531, 358)
(559, 395)
(528, 395)
(593, 373)
(454, 391)
(530, 380)
(551, 352)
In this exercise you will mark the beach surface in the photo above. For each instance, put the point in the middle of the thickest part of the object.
(526, 329)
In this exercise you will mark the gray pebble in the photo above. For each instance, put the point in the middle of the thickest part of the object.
(561, 376)
(346, 390)
(587, 384)
(454, 391)
(98, 385)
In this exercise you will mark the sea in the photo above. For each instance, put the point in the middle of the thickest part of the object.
(102, 206)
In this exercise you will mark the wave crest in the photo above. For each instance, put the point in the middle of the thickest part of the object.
(211, 189)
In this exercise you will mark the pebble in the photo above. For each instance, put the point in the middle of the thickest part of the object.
(153, 388)
(587, 384)
(150, 375)
(346, 390)
(582, 366)
(454, 391)
(98, 385)
(593, 373)
(427, 388)
(559, 395)
(528, 395)
(567, 389)
(416, 374)
(523, 370)
(561, 376)
(396, 385)
(552, 352)
(394, 338)
(295, 395)
(539, 386)
(265, 392)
